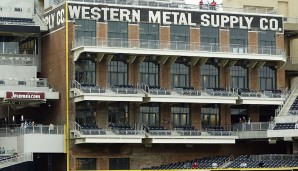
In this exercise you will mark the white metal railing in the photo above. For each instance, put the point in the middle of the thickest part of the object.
(181, 4)
(22, 60)
(26, 129)
(275, 157)
(174, 45)
(292, 59)
(291, 20)
(16, 159)
(253, 126)
(32, 82)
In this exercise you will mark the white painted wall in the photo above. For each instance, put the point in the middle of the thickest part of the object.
(9, 143)
(43, 143)
(20, 72)
(8, 8)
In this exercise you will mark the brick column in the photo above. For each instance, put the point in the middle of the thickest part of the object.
(165, 37)
(165, 116)
(165, 76)
(252, 42)
(196, 116)
(194, 38)
(102, 114)
(281, 80)
(225, 115)
(253, 79)
(254, 113)
(224, 40)
(224, 77)
(195, 76)
(133, 72)
(133, 35)
(102, 32)
(280, 41)
(102, 73)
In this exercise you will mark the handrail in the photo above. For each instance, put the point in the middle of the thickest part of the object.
(180, 4)
(177, 45)
(16, 158)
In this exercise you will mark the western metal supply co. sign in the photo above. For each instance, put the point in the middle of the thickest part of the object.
(102, 12)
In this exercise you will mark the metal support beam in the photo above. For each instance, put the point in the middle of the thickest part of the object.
(280, 64)
(223, 62)
(202, 61)
(231, 63)
(131, 58)
(109, 58)
(163, 59)
(252, 64)
(141, 59)
(100, 57)
(260, 64)
(173, 59)
(77, 53)
(194, 61)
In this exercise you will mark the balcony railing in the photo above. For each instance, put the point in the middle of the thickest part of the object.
(176, 46)
(253, 126)
(19, 60)
(33, 82)
(14, 130)
(180, 4)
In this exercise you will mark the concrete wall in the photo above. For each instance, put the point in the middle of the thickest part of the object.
(17, 8)
(19, 72)
(42, 143)
(9, 143)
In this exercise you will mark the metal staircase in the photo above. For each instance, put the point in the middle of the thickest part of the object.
(281, 114)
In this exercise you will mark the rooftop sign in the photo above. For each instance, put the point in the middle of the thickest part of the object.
(195, 18)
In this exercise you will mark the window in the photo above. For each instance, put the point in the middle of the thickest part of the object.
(209, 76)
(86, 29)
(118, 113)
(85, 113)
(209, 38)
(150, 114)
(118, 33)
(85, 71)
(238, 40)
(86, 164)
(267, 42)
(179, 37)
(267, 78)
(237, 112)
(238, 76)
(118, 72)
(149, 35)
(119, 164)
(210, 115)
(179, 75)
(181, 115)
(149, 73)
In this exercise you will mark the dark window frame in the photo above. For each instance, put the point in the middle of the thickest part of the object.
(210, 72)
(180, 111)
(180, 72)
(149, 69)
(239, 73)
(119, 70)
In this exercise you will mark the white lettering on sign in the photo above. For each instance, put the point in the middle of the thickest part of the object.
(104, 13)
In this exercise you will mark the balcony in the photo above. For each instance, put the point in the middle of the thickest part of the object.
(188, 95)
(26, 92)
(179, 4)
(196, 49)
(265, 97)
(147, 136)
(110, 135)
(82, 92)
(33, 139)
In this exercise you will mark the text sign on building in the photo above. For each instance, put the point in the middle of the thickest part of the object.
(104, 13)
(25, 95)
(56, 18)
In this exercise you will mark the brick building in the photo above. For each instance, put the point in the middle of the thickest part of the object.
(148, 83)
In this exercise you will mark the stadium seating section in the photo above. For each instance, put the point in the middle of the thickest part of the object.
(279, 126)
(90, 88)
(294, 108)
(124, 89)
(217, 91)
(156, 90)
